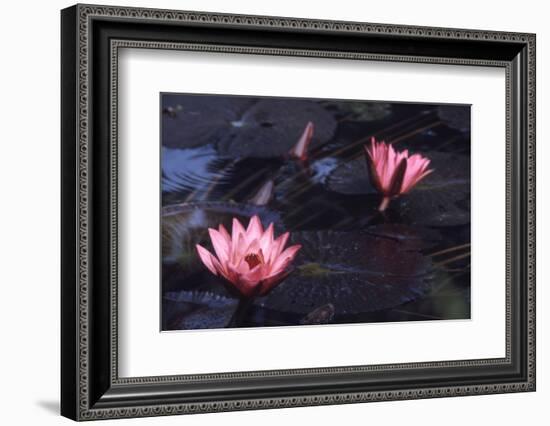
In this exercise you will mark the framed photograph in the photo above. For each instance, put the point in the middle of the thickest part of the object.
(263, 212)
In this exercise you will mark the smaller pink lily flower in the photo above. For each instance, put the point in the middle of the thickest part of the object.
(394, 173)
(299, 151)
(252, 259)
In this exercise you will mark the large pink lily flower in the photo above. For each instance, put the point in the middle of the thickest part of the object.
(393, 173)
(252, 260)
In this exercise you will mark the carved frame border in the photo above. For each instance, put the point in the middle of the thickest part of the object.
(85, 14)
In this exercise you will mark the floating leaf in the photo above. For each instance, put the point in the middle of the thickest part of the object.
(455, 116)
(443, 197)
(449, 299)
(245, 126)
(199, 119)
(417, 238)
(355, 272)
(271, 127)
(190, 310)
(351, 177)
(362, 110)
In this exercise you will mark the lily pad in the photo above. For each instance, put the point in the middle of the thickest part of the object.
(362, 111)
(415, 237)
(245, 126)
(354, 272)
(443, 197)
(350, 177)
(199, 119)
(455, 116)
(191, 310)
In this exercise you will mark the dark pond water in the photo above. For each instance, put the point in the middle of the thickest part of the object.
(226, 157)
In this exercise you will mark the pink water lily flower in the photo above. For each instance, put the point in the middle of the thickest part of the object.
(252, 259)
(393, 173)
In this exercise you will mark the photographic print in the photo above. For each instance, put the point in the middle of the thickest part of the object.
(294, 212)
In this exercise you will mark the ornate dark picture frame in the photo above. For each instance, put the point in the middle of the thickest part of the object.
(90, 385)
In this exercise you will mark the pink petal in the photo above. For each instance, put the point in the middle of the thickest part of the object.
(383, 162)
(284, 259)
(253, 276)
(231, 274)
(416, 180)
(270, 282)
(236, 231)
(266, 241)
(373, 174)
(206, 258)
(416, 171)
(247, 289)
(255, 229)
(220, 245)
(299, 150)
(238, 251)
(223, 232)
(246, 283)
(278, 246)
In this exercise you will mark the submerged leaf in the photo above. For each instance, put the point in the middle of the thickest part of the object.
(355, 272)
(322, 315)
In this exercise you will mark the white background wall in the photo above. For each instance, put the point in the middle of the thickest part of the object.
(29, 225)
